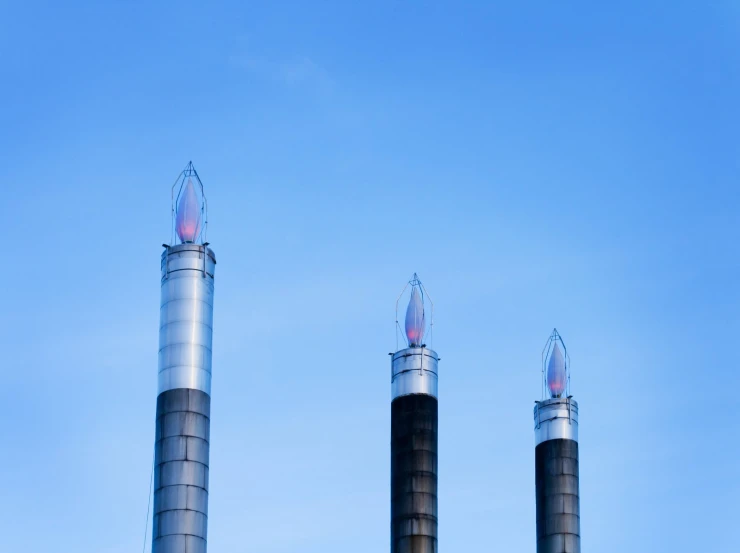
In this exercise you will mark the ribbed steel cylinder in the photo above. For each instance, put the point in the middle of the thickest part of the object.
(556, 476)
(184, 404)
(414, 439)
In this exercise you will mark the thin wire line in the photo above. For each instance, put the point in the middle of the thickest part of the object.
(148, 506)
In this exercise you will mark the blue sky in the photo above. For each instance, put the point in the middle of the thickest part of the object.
(538, 165)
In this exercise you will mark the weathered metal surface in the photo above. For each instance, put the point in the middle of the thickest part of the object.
(558, 509)
(414, 371)
(414, 431)
(178, 543)
(186, 318)
(181, 472)
(555, 419)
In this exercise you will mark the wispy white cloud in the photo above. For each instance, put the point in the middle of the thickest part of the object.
(296, 71)
(307, 71)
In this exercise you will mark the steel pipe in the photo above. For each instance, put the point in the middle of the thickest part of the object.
(181, 451)
(556, 476)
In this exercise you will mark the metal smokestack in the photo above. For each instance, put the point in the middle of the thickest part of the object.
(556, 455)
(184, 382)
(414, 422)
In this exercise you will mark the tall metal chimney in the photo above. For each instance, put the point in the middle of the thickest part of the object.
(184, 383)
(414, 432)
(556, 455)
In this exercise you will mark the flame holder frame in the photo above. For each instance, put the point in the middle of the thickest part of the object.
(189, 173)
(415, 281)
(554, 337)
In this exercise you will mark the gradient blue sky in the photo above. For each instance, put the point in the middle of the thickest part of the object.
(539, 164)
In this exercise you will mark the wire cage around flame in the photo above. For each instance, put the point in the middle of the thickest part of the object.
(189, 208)
(555, 368)
(415, 320)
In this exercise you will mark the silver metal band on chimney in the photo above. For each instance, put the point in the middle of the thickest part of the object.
(186, 318)
(414, 371)
(557, 476)
(182, 445)
(555, 419)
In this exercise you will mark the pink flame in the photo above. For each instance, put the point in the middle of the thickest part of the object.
(556, 372)
(187, 222)
(415, 318)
